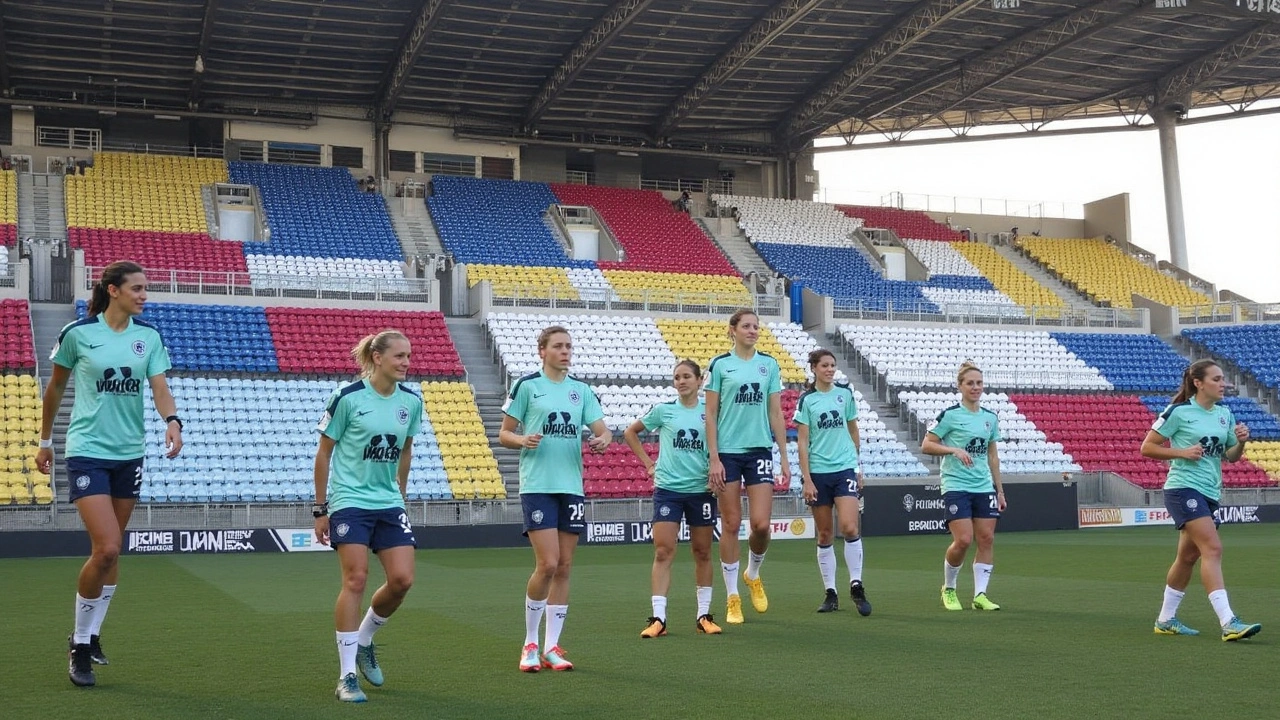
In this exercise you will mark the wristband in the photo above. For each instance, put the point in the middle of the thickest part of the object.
(174, 418)
(46, 444)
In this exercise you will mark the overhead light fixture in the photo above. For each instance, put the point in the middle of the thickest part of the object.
(586, 150)
(628, 153)
(23, 107)
(167, 117)
(754, 162)
(107, 112)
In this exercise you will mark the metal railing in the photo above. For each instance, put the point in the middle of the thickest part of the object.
(608, 299)
(195, 151)
(69, 138)
(9, 273)
(1235, 312)
(955, 204)
(990, 314)
(203, 282)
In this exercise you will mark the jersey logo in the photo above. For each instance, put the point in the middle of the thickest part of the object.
(1213, 446)
(665, 511)
(1222, 421)
(343, 529)
(139, 348)
(1192, 503)
(839, 399)
(749, 394)
(830, 421)
(688, 440)
(976, 447)
(763, 370)
(82, 482)
(536, 517)
(377, 452)
(119, 382)
(575, 397)
(95, 347)
(559, 425)
(402, 415)
(362, 413)
(539, 395)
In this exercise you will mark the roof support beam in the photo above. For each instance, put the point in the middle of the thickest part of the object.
(780, 18)
(202, 49)
(609, 26)
(1177, 85)
(405, 57)
(807, 119)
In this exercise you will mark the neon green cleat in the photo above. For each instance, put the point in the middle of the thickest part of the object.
(949, 599)
(982, 602)
(1237, 630)
(1174, 626)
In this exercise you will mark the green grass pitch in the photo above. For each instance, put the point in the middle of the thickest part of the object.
(252, 637)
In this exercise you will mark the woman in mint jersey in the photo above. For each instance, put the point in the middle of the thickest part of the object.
(1200, 433)
(680, 491)
(965, 435)
(110, 353)
(551, 408)
(361, 474)
(827, 425)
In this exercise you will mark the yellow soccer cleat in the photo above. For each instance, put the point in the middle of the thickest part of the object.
(655, 628)
(759, 600)
(982, 602)
(707, 625)
(733, 613)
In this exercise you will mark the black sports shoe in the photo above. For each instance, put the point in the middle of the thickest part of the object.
(80, 667)
(95, 651)
(859, 595)
(830, 603)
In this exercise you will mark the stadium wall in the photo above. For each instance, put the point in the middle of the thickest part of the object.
(1109, 216)
(983, 224)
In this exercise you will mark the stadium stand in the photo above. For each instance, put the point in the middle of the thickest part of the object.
(655, 235)
(17, 349)
(1130, 362)
(663, 287)
(942, 259)
(701, 340)
(798, 222)
(468, 462)
(539, 282)
(844, 274)
(798, 345)
(605, 347)
(1006, 277)
(496, 222)
(8, 208)
(20, 483)
(1255, 349)
(286, 270)
(1264, 454)
(228, 338)
(1262, 424)
(906, 223)
(1106, 274)
(310, 340)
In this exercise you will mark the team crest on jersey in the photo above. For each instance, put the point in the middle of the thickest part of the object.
(139, 348)
(763, 370)
(402, 415)
(342, 529)
(536, 517)
(1222, 421)
(1192, 503)
(703, 416)
(82, 482)
(665, 511)
(575, 397)
(839, 399)
(986, 424)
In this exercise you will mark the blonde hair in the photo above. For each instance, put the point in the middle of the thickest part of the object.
(965, 367)
(545, 336)
(363, 352)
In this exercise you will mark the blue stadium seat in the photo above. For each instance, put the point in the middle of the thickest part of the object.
(1129, 362)
(1254, 348)
(844, 274)
(227, 338)
(1262, 424)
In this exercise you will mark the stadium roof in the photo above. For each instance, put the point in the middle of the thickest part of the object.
(758, 75)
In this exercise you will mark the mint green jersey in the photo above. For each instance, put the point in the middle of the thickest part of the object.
(683, 462)
(370, 432)
(745, 386)
(973, 432)
(1187, 424)
(558, 411)
(108, 369)
(828, 416)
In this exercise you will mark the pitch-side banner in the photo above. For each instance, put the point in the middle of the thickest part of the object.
(631, 532)
(1139, 517)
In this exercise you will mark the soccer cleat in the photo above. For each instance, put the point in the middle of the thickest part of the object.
(733, 612)
(859, 595)
(95, 651)
(656, 628)
(80, 666)
(830, 603)
(707, 625)
(367, 661)
(1174, 626)
(759, 600)
(1237, 630)
(982, 602)
(554, 659)
(349, 689)
(949, 599)
(529, 659)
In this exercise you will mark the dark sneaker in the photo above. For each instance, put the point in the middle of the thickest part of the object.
(830, 603)
(859, 595)
(80, 667)
(95, 651)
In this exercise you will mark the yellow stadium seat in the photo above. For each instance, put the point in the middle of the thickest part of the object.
(1006, 277)
(657, 287)
(125, 191)
(1108, 275)
(1266, 455)
(701, 340)
(464, 448)
(536, 282)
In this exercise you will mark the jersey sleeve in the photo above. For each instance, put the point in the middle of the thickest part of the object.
(852, 403)
(415, 419)
(801, 416)
(517, 401)
(995, 429)
(1168, 422)
(775, 378)
(334, 421)
(717, 377)
(655, 418)
(941, 426)
(591, 410)
(64, 351)
(1231, 429)
(158, 362)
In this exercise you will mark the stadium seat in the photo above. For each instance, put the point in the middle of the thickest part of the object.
(1024, 448)
(19, 435)
(1108, 275)
(468, 463)
(17, 349)
(906, 223)
(312, 340)
(1254, 348)
(1130, 362)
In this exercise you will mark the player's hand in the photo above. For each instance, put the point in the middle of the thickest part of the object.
(322, 530)
(1001, 504)
(1242, 432)
(716, 476)
(44, 460)
(786, 474)
(173, 440)
(529, 442)
(963, 457)
(598, 443)
(650, 472)
(810, 492)
(860, 475)
(1193, 453)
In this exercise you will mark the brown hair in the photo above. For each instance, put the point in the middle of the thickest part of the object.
(1195, 371)
(815, 357)
(697, 370)
(965, 367)
(363, 352)
(545, 336)
(113, 274)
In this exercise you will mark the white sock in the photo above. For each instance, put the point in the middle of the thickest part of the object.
(1172, 599)
(950, 575)
(704, 600)
(104, 601)
(85, 610)
(827, 566)
(555, 623)
(372, 621)
(853, 558)
(754, 562)
(533, 610)
(348, 642)
(659, 607)
(981, 576)
(1218, 598)
(730, 572)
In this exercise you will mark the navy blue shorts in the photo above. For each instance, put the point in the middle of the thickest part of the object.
(961, 505)
(754, 467)
(117, 478)
(562, 511)
(1185, 504)
(697, 509)
(376, 529)
(833, 485)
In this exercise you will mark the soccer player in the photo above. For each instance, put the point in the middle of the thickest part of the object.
(109, 352)
(680, 491)
(361, 472)
(552, 407)
(1200, 433)
(965, 435)
(827, 424)
(744, 407)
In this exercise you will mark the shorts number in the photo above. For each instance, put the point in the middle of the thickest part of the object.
(404, 524)
(853, 485)
(764, 467)
(706, 511)
(577, 511)
(992, 502)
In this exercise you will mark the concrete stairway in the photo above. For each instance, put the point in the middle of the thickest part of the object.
(41, 206)
(413, 225)
(486, 379)
(1072, 298)
(47, 321)
(735, 246)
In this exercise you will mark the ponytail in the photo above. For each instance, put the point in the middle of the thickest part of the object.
(815, 357)
(363, 352)
(1195, 371)
(112, 275)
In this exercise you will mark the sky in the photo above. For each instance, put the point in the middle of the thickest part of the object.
(1230, 173)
